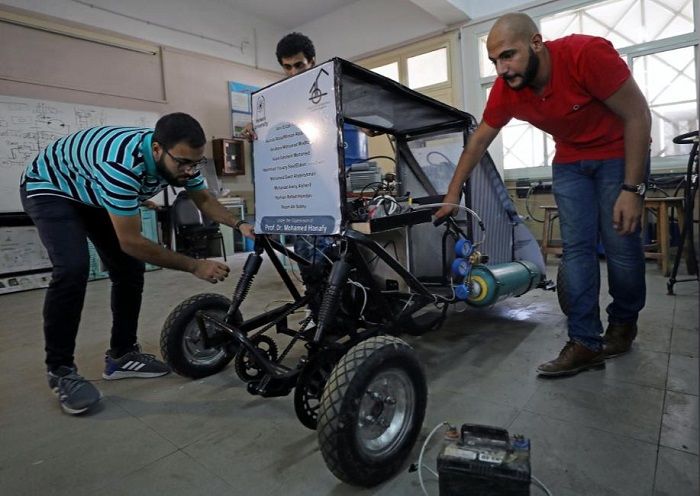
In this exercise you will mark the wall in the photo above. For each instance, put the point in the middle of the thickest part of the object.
(193, 83)
(216, 27)
(211, 27)
(367, 26)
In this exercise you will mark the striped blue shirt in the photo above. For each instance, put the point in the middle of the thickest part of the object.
(108, 167)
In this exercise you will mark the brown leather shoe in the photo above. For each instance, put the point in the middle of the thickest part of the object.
(618, 339)
(572, 359)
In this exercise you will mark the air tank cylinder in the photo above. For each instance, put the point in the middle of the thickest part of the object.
(489, 284)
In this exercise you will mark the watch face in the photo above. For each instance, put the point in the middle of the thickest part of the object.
(639, 189)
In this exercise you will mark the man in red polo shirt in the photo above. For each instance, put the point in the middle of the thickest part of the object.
(580, 91)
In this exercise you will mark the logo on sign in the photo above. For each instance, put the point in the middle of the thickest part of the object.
(260, 119)
(316, 94)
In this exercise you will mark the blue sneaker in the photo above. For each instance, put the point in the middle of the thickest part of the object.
(133, 364)
(75, 393)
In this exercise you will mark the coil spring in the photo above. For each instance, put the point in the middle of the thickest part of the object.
(242, 288)
(328, 304)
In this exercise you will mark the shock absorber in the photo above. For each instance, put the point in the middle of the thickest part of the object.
(251, 267)
(336, 282)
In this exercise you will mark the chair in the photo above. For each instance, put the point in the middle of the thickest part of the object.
(549, 246)
(660, 250)
(193, 232)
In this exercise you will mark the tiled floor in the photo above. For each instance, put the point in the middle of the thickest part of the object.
(631, 429)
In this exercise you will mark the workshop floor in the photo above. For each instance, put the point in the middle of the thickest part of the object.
(631, 429)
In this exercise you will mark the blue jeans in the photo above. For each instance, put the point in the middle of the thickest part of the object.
(585, 193)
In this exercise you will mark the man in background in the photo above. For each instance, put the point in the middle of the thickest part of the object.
(296, 53)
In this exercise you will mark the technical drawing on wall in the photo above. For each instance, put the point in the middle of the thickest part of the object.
(28, 126)
(21, 250)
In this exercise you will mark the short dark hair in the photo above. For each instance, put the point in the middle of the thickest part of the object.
(172, 129)
(294, 43)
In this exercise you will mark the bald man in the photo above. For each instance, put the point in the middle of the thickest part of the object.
(580, 91)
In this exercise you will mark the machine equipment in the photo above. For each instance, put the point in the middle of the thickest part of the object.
(382, 264)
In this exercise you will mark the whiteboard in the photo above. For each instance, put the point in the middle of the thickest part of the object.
(28, 126)
(21, 250)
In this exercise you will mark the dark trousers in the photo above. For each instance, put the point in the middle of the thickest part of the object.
(64, 226)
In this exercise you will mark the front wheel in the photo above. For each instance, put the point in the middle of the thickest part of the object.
(181, 342)
(372, 410)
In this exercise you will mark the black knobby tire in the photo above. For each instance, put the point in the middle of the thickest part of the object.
(180, 339)
(562, 294)
(310, 385)
(356, 443)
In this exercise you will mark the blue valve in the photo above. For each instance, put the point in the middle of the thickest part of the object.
(462, 292)
(461, 267)
(464, 248)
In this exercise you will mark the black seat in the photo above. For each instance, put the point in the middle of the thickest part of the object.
(193, 231)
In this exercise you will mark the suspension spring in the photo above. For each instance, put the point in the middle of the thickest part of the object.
(250, 269)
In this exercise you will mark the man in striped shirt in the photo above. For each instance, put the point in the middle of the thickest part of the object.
(90, 185)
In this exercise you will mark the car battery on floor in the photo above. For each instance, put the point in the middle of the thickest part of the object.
(484, 461)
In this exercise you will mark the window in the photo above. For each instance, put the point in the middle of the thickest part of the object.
(389, 70)
(427, 69)
(624, 22)
(667, 80)
(524, 145)
(486, 67)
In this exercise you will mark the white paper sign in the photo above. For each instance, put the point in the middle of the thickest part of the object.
(297, 187)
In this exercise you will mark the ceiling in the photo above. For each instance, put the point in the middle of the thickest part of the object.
(289, 13)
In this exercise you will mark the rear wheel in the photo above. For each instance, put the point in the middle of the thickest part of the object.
(372, 410)
(181, 342)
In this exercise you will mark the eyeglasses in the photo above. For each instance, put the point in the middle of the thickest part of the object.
(187, 165)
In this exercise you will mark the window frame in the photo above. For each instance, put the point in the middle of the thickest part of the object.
(449, 41)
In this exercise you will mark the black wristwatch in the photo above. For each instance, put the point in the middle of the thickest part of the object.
(639, 189)
(238, 224)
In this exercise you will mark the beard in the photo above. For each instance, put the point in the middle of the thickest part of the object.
(533, 65)
(170, 178)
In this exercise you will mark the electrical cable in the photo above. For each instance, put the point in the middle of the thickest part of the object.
(461, 207)
(313, 245)
(678, 187)
(376, 190)
(380, 200)
(540, 484)
(291, 264)
(422, 451)
(364, 294)
(447, 160)
(527, 205)
(387, 157)
(407, 304)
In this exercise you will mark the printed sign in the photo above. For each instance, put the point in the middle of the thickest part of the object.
(296, 164)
